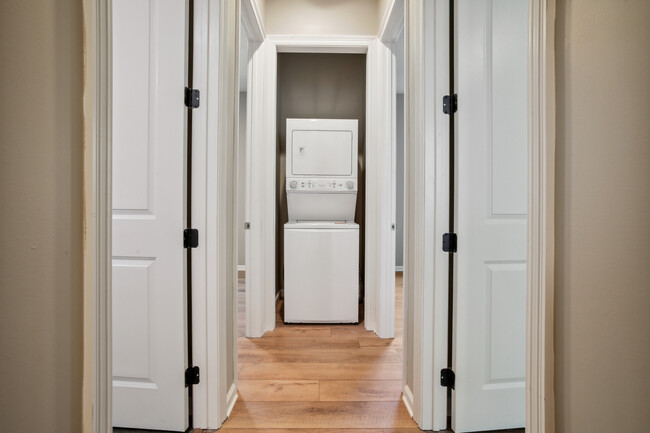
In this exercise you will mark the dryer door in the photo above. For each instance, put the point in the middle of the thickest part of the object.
(321, 153)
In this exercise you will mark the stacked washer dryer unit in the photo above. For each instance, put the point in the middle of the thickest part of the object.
(321, 240)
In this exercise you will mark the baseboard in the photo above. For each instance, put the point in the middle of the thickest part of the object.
(231, 399)
(407, 398)
(399, 268)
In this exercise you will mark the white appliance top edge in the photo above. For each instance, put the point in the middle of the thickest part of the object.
(331, 225)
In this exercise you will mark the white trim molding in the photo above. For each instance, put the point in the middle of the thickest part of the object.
(379, 302)
(321, 44)
(216, 27)
(540, 399)
(260, 237)
(100, 222)
(424, 200)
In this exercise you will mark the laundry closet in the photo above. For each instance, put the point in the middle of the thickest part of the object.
(321, 98)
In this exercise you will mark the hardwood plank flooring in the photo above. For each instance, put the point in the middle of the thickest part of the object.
(322, 371)
(369, 354)
(319, 379)
(360, 390)
(319, 414)
(278, 390)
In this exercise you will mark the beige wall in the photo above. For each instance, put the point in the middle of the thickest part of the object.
(321, 17)
(261, 6)
(603, 216)
(41, 214)
(381, 11)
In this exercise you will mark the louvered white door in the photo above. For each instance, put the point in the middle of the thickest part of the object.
(148, 179)
(492, 207)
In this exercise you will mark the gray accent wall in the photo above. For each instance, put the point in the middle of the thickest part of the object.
(399, 193)
(325, 86)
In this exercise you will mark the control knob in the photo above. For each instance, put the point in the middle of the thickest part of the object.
(350, 184)
(293, 184)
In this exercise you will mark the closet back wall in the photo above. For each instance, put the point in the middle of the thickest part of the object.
(325, 86)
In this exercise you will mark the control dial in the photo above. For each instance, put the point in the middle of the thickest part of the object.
(350, 184)
(293, 184)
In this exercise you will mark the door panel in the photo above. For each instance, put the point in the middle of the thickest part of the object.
(492, 203)
(149, 348)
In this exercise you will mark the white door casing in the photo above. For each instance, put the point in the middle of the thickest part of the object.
(260, 191)
(214, 123)
(426, 209)
(148, 305)
(492, 215)
(379, 302)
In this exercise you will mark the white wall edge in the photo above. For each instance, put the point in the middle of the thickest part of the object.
(379, 308)
(426, 201)
(215, 44)
(261, 236)
(392, 22)
(252, 20)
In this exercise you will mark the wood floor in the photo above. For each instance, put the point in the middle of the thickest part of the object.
(321, 379)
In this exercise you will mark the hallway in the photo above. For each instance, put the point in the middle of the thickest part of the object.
(306, 377)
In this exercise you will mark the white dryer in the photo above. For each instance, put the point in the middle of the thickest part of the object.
(321, 240)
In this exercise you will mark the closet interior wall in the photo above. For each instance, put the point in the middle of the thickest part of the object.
(326, 86)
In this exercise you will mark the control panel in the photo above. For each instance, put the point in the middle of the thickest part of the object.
(321, 184)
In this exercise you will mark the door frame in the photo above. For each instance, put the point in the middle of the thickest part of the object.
(426, 207)
(541, 234)
(215, 39)
(261, 237)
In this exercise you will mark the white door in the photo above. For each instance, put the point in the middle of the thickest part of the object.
(492, 206)
(148, 201)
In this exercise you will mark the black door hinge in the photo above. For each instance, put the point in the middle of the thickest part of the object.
(449, 241)
(192, 375)
(190, 238)
(447, 378)
(449, 104)
(192, 98)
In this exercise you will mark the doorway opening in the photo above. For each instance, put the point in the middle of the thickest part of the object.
(328, 368)
(539, 178)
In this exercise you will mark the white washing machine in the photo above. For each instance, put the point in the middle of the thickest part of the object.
(321, 272)
(321, 240)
